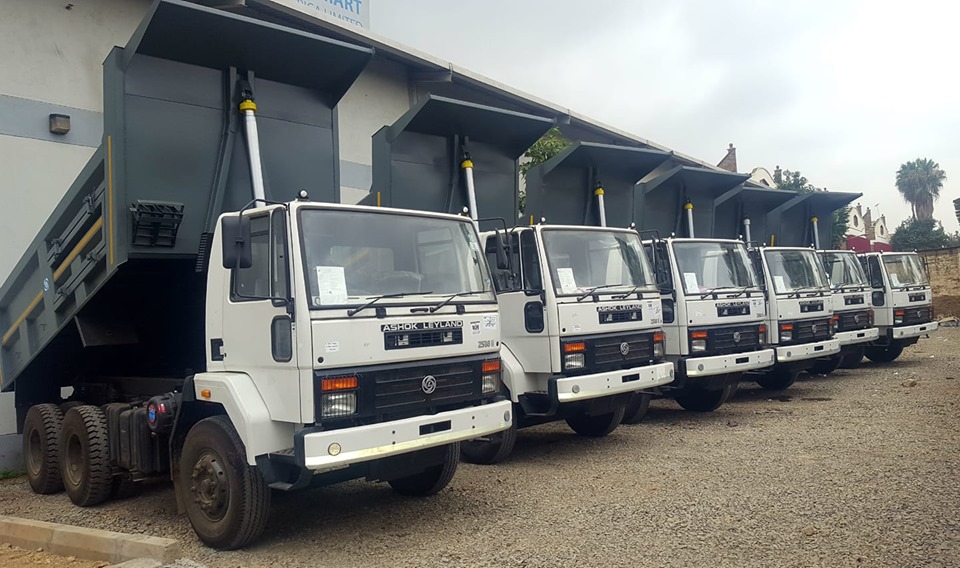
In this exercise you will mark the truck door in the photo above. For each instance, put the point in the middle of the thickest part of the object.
(258, 330)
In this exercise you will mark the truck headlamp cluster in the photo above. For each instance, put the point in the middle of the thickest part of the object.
(870, 318)
(698, 341)
(574, 355)
(342, 401)
(491, 377)
(762, 334)
(834, 324)
(786, 332)
(658, 340)
(897, 317)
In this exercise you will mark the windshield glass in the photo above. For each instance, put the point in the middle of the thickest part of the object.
(904, 270)
(709, 266)
(582, 260)
(843, 269)
(793, 270)
(353, 255)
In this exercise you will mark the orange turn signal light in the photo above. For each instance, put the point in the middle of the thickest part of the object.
(491, 366)
(762, 328)
(698, 335)
(786, 327)
(574, 347)
(205, 393)
(339, 383)
(898, 312)
(659, 336)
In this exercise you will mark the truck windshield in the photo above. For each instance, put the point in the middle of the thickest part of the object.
(904, 270)
(581, 261)
(843, 269)
(708, 266)
(794, 270)
(351, 256)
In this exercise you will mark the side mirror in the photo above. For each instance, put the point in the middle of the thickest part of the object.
(503, 261)
(237, 248)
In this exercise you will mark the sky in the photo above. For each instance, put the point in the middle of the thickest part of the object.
(842, 91)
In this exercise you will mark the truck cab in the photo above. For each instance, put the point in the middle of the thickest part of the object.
(799, 316)
(714, 317)
(901, 299)
(852, 309)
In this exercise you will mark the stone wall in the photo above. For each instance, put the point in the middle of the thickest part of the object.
(944, 268)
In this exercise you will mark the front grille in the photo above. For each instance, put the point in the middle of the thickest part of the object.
(913, 316)
(411, 339)
(850, 321)
(726, 340)
(620, 316)
(608, 351)
(811, 330)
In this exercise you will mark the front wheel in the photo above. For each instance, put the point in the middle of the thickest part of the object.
(779, 379)
(432, 479)
(702, 400)
(596, 426)
(227, 500)
(884, 354)
(637, 408)
(853, 359)
(490, 450)
(826, 366)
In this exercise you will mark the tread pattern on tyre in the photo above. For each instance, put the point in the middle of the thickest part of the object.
(97, 482)
(490, 453)
(46, 418)
(433, 479)
(254, 507)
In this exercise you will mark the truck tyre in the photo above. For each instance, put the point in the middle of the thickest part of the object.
(886, 354)
(41, 429)
(826, 366)
(494, 449)
(637, 408)
(227, 500)
(853, 360)
(84, 454)
(778, 379)
(432, 479)
(703, 400)
(596, 426)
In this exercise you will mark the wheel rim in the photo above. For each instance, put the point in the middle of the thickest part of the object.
(75, 462)
(210, 486)
(34, 453)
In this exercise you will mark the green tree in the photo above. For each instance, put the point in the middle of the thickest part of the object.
(795, 181)
(922, 234)
(920, 182)
(548, 146)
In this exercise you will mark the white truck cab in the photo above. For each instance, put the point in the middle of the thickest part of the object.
(852, 309)
(799, 312)
(902, 302)
(714, 317)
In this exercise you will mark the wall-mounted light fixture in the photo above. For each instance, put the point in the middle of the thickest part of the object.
(59, 123)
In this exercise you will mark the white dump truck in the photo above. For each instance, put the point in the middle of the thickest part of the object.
(218, 317)
(852, 310)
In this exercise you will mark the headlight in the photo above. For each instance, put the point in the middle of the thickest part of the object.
(897, 317)
(574, 361)
(490, 381)
(834, 324)
(338, 404)
(762, 333)
(870, 318)
(698, 345)
(658, 339)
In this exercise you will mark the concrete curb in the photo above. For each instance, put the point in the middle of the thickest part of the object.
(89, 544)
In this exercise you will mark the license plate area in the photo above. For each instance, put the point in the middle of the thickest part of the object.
(441, 426)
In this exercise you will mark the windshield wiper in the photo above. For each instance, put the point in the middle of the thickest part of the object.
(594, 289)
(358, 309)
(801, 290)
(449, 299)
(739, 290)
(625, 295)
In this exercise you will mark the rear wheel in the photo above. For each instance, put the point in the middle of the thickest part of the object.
(41, 429)
(778, 379)
(884, 354)
(702, 400)
(227, 500)
(432, 479)
(853, 359)
(826, 366)
(637, 408)
(492, 449)
(596, 426)
(84, 456)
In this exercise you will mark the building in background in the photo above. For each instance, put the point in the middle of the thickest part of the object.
(866, 234)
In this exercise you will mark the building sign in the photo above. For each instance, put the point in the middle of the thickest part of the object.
(350, 13)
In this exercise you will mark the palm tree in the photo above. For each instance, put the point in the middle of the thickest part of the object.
(920, 182)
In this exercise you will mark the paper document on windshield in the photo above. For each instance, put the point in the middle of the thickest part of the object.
(331, 285)
(568, 284)
(690, 282)
(778, 283)
(894, 279)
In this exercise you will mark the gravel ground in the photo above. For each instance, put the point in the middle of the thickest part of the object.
(856, 469)
(13, 556)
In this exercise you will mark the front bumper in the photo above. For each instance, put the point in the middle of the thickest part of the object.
(733, 363)
(585, 387)
(906, 332)
(319, 450)
(804, 351)
(857, 336)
